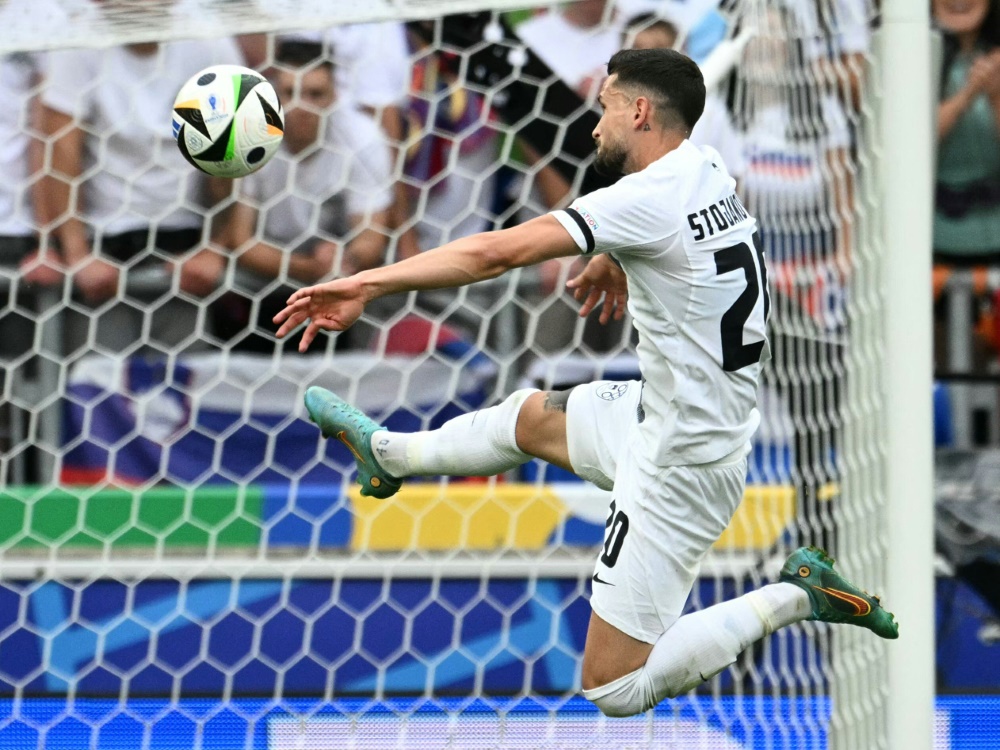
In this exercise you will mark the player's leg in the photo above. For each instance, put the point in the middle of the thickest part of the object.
(703, 643)
(527, 424)
(645, 576)
(624, 676)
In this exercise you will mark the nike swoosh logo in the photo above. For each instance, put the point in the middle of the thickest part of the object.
(861, 606)
(341, 436)
(596, 579)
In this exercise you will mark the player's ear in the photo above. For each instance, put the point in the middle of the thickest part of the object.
(642, 113)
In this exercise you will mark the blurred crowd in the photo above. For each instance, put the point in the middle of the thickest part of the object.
(389, 150)
(395, 143)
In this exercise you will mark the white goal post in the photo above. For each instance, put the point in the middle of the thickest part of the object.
(907, 104)
(182, 559)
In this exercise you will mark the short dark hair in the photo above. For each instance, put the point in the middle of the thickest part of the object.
(673, 80)
(301, 53)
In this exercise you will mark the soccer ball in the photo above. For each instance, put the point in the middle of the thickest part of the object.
(228, 121)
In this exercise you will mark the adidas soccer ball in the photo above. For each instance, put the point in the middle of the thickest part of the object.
(228, 121)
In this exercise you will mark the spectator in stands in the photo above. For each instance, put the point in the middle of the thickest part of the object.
(797, 141)
(576, 41)
(372, 67)
(588, 33)
(319, 207)
(21, 269)
(967, 211)
(453, 152)
(122, 200)
(798, 185)
(967, 219)
(20, 162)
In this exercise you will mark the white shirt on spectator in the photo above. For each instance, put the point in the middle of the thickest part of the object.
(788, 177)
(715, 128)
(124, 101)
(573, 53)
(313, 194)
(371, 61)
(19, 72)
(844, 28)
(463, 204)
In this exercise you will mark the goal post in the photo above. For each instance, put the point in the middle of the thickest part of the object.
(907, 115)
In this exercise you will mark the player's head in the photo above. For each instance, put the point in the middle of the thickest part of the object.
(303, 79)
(647, 92)
(649, 31)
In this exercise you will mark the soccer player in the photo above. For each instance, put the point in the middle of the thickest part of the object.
(672, 447)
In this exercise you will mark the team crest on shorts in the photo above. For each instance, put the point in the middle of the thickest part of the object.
(612, 391)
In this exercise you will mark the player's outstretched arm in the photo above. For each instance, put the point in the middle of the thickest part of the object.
(336, 305)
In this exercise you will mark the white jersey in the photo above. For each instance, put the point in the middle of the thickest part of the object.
(697, 294)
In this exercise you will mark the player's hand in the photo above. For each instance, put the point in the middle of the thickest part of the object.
(333, 306)
(96, 280)
(201, 273)
(601, 278)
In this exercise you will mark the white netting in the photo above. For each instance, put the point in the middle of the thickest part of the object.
(186, 564)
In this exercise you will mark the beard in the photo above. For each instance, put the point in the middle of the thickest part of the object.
(610, 160)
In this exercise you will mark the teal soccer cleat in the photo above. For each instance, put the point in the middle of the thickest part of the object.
(834, 598)
(338, 419)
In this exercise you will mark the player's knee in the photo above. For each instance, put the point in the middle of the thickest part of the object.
(542, 412)
(613, 708)
(626, 696)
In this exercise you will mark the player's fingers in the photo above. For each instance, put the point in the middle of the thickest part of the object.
(590, 303)
(620, 306)
(291, 308)
(579, 280)
(608, 308)
(580, 293)
(308, 335)
(305, 291)
(291, 324)
(281, 316)
(314, 327)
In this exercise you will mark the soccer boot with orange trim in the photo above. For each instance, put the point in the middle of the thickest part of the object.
(338, 419)
(833, 597)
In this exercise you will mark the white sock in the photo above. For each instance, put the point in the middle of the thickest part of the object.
(481, 443)
(700, 645)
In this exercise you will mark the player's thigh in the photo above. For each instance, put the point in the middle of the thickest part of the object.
(541, 427)
(660, 526)
(610, 654)
(600, 418)
(580, 429)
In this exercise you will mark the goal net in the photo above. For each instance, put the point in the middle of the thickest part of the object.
(184, 562)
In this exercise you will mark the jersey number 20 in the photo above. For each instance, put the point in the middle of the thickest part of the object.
(735, 354)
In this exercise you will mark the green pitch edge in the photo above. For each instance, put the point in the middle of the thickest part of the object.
(38, 517)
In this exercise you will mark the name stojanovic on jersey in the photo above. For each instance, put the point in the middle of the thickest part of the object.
(697, 295)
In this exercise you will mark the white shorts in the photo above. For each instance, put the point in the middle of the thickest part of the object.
(662, 520)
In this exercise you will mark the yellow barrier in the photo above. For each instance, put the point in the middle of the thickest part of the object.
(475, 516)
